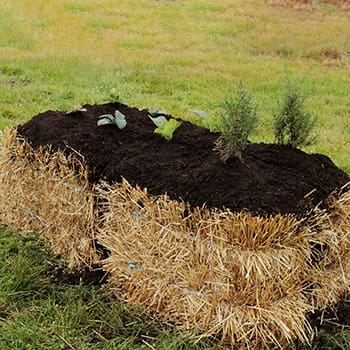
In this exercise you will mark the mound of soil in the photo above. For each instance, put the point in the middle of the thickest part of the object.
(273, 178)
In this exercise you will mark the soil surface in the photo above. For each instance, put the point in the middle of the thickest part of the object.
(86, 276)
(272, 179)
(334, 318)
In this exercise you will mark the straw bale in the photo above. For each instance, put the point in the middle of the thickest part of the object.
(248, 279)
(237, 276)
(49, 193)
(331, 276)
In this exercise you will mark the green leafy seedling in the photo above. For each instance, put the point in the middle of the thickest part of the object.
(164, 126)
(293, 124)
(157, 113)
(167, 129)
(108, 119)
(239, 119)
(204, 118)
(105, 119)
(158, 121)
(116, 98)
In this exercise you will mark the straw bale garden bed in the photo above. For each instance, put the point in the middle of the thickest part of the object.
(242, 250)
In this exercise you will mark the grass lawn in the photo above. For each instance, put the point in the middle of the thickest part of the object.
(168, 54)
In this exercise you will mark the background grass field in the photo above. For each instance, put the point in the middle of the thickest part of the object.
(173, 55)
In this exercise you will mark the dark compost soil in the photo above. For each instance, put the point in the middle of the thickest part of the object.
(273, 178)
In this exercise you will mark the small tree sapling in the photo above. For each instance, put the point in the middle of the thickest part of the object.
(292, 123)
(238, 120)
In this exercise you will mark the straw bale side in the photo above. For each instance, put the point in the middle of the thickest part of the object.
(237, 276)
(249, 279)
(331, 276)
(48, 193)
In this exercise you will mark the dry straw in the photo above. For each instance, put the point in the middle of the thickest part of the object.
(250, 280)
(48, 193)
(331, 276)
(246, 278)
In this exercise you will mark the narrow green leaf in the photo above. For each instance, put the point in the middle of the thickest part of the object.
(200, 113)
(108, 116)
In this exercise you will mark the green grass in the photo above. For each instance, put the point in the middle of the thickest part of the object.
(173, 55)
(37, 313)
(176, 55)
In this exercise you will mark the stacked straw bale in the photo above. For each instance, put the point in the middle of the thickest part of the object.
(250, 280)
(331, 275)
(245, 278)
(48, 193)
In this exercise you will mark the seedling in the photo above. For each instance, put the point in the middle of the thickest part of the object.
(108, 119)
(158, 121)
(238, 120)
(204, 118)
(293, 125)
(164, 126)
(206, 121)
(116, 98)
(157, 113)
(167, 129)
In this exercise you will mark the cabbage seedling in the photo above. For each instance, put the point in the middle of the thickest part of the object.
(114, 98)
(164, 126)
(108, 119)
(167, 129)
(204, 117)
(158, 121)
(157, 113)
(205, 120)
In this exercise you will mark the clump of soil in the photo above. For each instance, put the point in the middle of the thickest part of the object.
(273, 178)
(86, 276)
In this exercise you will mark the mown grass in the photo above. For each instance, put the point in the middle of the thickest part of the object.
(174, 55)
(38, 312)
